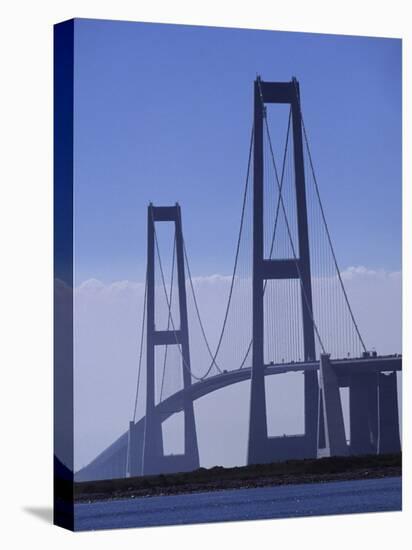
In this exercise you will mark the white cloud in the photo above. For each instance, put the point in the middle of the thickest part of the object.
(360, 271)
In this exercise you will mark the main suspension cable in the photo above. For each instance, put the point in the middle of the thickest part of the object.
(272, 244)
(325, 223)
(141, 350)
(233, 278)
(212, 356)
(287, 222)
(168, 320)
(169, 306)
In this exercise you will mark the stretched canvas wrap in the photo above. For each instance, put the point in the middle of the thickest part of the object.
(227, 247)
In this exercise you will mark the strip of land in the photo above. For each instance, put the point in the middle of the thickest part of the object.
(260, 475)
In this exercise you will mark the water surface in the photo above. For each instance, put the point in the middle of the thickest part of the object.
(342, 497)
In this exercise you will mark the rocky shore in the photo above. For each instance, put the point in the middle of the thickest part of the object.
(261, 475)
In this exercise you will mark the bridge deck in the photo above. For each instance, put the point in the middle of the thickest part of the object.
(344, 368)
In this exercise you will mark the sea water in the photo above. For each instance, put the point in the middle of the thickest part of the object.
(315, 499)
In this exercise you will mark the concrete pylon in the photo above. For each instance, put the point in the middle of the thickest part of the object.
(262, 448)
(134, 450)
(363, 410)
(321, 423)
(332, 409)
(389, 437)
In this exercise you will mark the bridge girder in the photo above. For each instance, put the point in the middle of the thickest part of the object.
(111, 462)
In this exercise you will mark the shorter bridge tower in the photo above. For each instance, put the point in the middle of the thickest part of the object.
(154, 460)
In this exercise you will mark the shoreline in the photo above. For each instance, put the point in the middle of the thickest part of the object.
(293, 472)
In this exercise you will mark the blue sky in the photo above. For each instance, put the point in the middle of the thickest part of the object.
(163, 113)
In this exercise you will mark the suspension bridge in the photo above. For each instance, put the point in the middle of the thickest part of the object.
(286, 310)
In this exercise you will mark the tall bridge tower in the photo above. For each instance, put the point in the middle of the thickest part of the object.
(262, 448)
(154, 460)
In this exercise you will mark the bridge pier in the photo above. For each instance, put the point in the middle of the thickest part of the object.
(363, 413)
(311, 413)
(321, 422)
(134, 450)
(389, 436)
(332, 409)
(373, 410)
(152, 446)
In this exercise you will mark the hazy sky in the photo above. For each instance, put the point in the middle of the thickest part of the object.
(163, 113)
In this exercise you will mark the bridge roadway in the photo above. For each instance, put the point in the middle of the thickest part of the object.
(111, 461)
